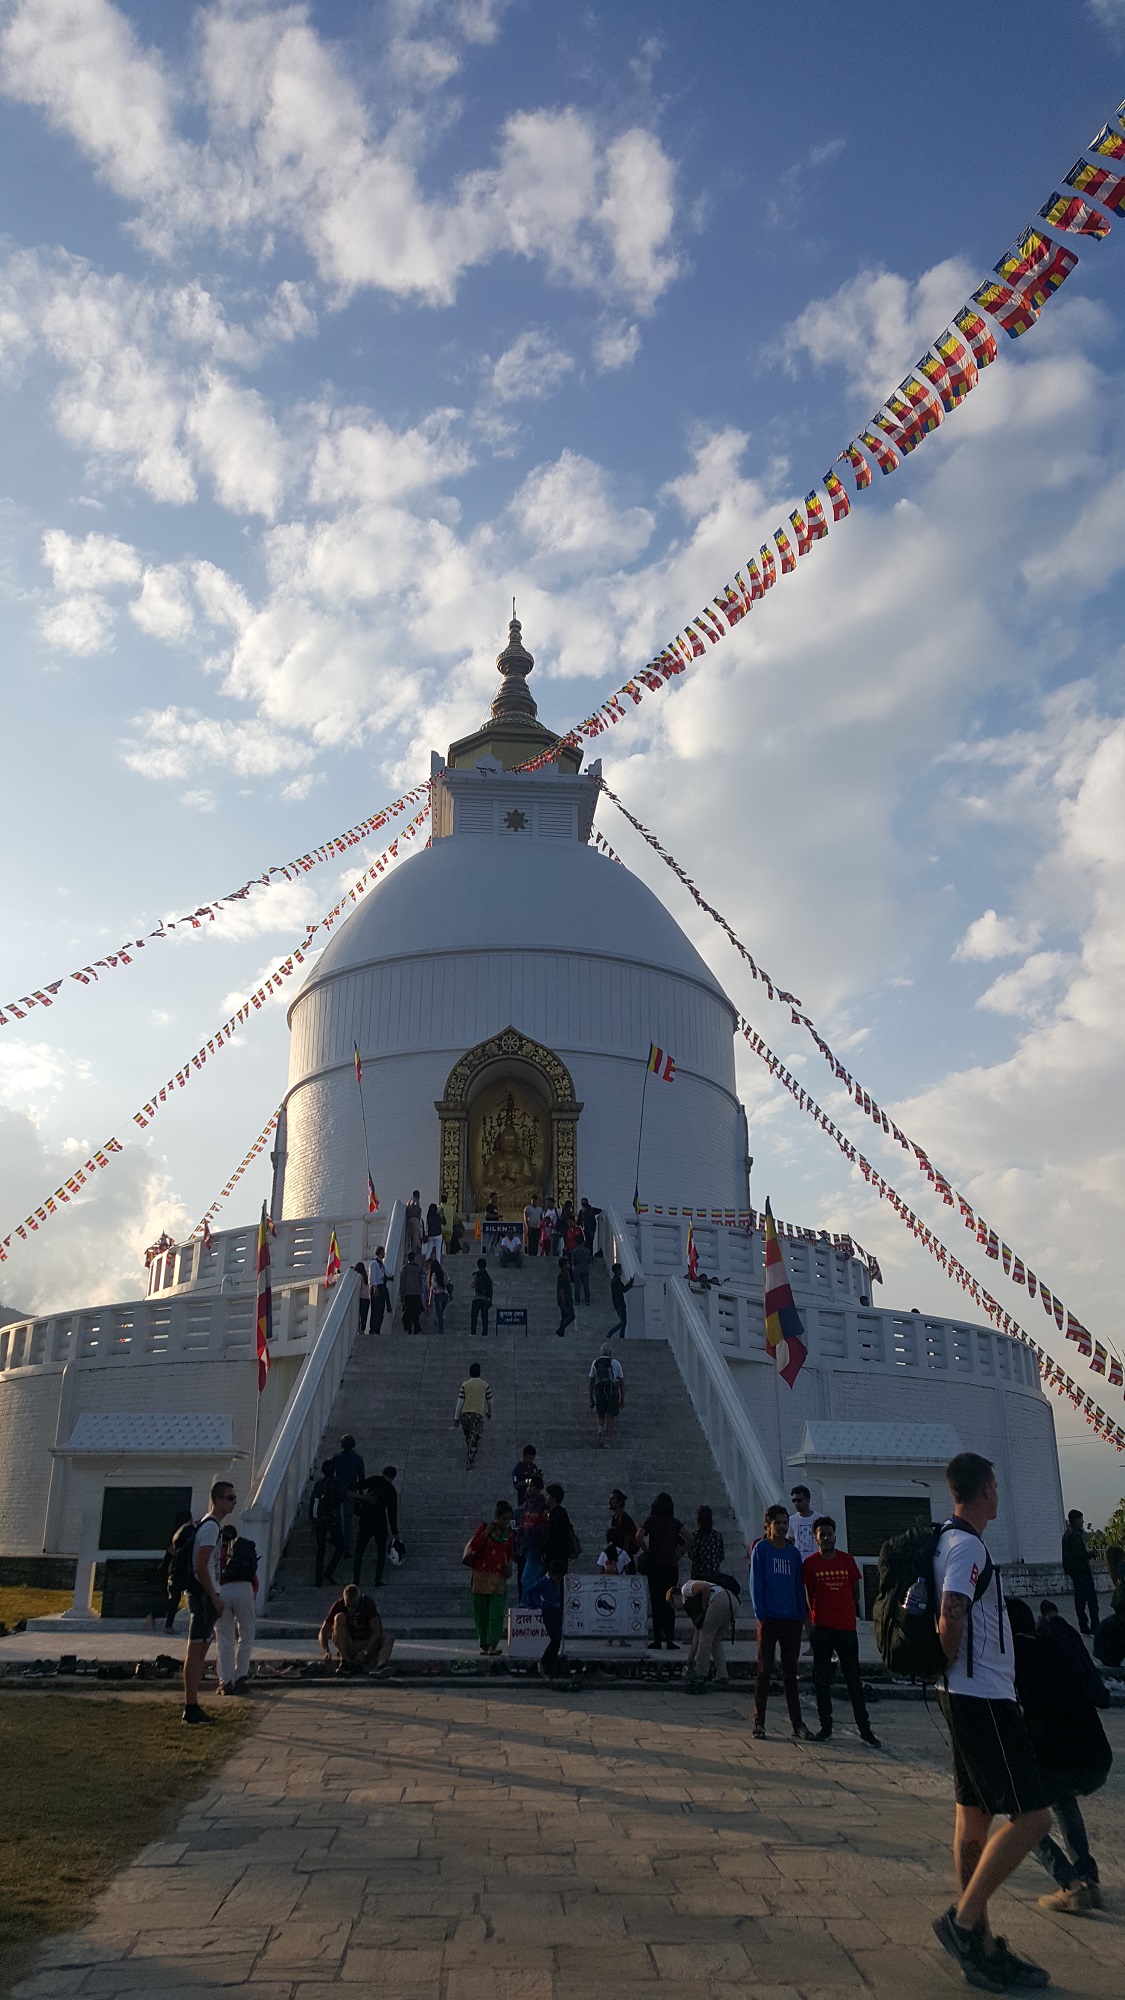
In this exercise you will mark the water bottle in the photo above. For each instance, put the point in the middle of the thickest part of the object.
(917, 1599)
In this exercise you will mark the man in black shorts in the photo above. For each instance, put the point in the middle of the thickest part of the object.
(204, 1600)
(994, 1768)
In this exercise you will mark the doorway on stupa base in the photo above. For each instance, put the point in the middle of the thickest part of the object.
(509, 1121)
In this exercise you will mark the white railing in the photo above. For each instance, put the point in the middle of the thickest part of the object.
(230, 1261)
(752, 1481)
(283, 1476)
(617, 1242)
(185, 1327)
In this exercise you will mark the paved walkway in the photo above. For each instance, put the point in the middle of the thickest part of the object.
(459, 1845)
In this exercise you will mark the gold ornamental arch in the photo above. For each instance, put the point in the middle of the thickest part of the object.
(509, 1126)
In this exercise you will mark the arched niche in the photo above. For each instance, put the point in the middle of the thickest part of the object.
(475, 1113)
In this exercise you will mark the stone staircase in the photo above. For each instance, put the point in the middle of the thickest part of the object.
(397, 1398)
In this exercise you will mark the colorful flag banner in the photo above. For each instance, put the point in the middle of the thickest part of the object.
(661, 1064)
(264, 1322)
(206, 912)
(692, 1253)
(785, 1333)
(986, 1235)
(332, 1269)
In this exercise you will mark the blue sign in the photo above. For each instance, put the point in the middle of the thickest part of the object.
(511, 1316)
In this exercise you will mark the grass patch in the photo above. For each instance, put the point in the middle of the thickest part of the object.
(24, 1600)
(87, 1780)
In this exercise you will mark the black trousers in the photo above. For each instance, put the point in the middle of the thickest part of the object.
(378, 1307)
(660, 1582)
(411, 1313)
(328, 1531)
(1085, 1602)
(479, 1310)
(377, 1531)
(552, 1625)
(845, 1646)
(364, 1309)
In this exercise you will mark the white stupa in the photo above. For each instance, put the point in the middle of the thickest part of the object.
(503, 987)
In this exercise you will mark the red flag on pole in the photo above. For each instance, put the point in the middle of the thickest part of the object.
(265, 1301)
(333, 1270)
(785, 1333)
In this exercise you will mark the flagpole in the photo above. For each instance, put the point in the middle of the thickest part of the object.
(254, 1452)
(640, 1135)
(363, 1121)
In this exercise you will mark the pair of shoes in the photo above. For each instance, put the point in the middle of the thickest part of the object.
(824, 1733)
(869, 1737)
(759, 1731)
(802, 1735)
(1014, 1971)
(196, 1714)
(1072, 1902)
(966, 1949)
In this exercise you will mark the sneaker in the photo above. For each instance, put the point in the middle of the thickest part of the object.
(759, 1732)
(1017, 1972)
(869, 1737)
(802, 1735)
(1073, 1902)
(966, 1948)
(1093, 1890)
(824, 1733)
(228, 1688)
(242, 1683)
(195, 1714)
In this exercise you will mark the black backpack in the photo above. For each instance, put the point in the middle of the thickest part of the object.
(603, 1369)
(241, 1565)
(905, 1611)
(181, 1569)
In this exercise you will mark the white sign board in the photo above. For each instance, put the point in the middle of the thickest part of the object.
(605, 1607)
(527, 1636)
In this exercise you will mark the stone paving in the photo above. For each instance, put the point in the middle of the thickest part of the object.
(431, 1844)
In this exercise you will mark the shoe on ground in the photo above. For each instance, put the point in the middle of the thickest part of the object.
(823, 1734)
(228, 1688)
(759, 1731)
(1073, 1902)
(869, 1737)
(242, 1683)
(1017, 1973)
(1094, 1891)
(802, 1735)
(196, 1714)
(966, 1949)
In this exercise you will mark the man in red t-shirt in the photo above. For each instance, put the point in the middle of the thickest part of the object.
(832, 1588)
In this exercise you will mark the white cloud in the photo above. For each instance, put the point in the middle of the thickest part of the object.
(293, 145)
(239, 444)
(1030, 988)
(34, 1074)
(81, 624)
(163, 609)
(990, 936)
(616, 345)
(94, 563)
(172, 742)
(530, 369)
(565, 513)
(359, 458)
(876, 325)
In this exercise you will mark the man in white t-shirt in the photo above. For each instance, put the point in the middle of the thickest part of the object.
(607, 1391)
(802, 1519)
(994, 1768)
(204, 1599)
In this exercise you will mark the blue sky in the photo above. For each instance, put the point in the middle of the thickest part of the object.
(324, 329)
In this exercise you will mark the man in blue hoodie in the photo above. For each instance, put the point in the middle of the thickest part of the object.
(777, 1587)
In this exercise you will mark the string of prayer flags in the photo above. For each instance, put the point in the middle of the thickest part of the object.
(1050, 1373)
(148, 1111)
(49, 1206)
(989, 1238)
(338, 845)
(203, 1226)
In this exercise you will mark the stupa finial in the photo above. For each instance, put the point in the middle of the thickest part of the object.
(514, 701)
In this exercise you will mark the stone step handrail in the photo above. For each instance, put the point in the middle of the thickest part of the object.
(283, 1475)
(751, 1479)
(615, 1241)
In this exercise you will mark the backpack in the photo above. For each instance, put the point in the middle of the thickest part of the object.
(242, 1563)
(181, 1569)
(482, 1285)
(905, 1611)
(603, 1369)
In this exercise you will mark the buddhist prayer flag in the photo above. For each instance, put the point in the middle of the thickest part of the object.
(1098, 1359)
(785, 550)
(769, 567)
(785, 1334)
(979, 335)
(692, 1253)
(841, 505)
(358, 1064)
(372, 1197)
(859, 465)
(333, 1269)
(1071, 213)
(800, 529)
(660, 1063)
(1014, 310)
(817, 525)
(264, 1332)
(886, 459)
(1098, 184)
(1115, 1373)
(1110, 142)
